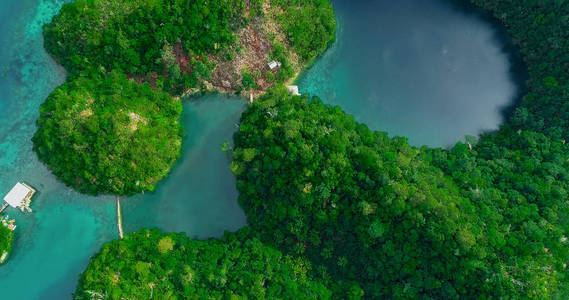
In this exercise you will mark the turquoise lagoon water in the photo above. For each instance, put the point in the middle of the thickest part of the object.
(54, 243)
(423, 69)
(199, 196)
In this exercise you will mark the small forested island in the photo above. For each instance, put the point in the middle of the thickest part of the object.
(6, 240)
(109, 134)
(335, 210)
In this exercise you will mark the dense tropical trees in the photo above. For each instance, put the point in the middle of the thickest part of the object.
(381, 213)
(169, 42)
(6, 238)
(101, 132)
(538, 28)
(502, 200)
(134, 36)
(375, 217)
(108, 134)
(308, 24)
(150, 264)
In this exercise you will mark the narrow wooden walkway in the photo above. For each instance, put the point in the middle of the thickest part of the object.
(119, 218)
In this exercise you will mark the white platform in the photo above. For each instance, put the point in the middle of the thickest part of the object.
(17, 195)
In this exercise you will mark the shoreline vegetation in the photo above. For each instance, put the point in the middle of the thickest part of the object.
(151, 49)
(172, 266)
(183, 51)
(109, 134)
(339, 211)
(487, 218)
(6, 240)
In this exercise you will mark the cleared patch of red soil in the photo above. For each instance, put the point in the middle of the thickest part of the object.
(255, 50)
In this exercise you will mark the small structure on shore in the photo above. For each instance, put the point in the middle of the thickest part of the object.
(293, 90)
(20, 197)
(274, 64)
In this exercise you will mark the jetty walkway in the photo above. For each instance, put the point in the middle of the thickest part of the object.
(119, 218)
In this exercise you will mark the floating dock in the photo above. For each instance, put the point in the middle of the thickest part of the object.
(20, 196)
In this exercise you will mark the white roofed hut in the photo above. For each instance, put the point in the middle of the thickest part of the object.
(274, 64)
(293, 90)
(19, 197)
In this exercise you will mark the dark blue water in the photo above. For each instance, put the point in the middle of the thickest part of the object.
(422, 69)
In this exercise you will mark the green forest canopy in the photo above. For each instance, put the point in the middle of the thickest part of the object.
(151, 264)
(405, 222)
(102, 133)
(167, 42)
(308, 24)
(377, 211)
(130, 35)
(86, 133)
(6, 239)
(109, 134)
(387, 220)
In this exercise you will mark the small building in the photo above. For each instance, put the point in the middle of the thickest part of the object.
(20, 196)
(293, 90)
(274, 64)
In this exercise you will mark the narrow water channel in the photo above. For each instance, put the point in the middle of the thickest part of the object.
(199, 197)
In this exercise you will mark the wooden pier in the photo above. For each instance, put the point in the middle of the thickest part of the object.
(119, 218)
